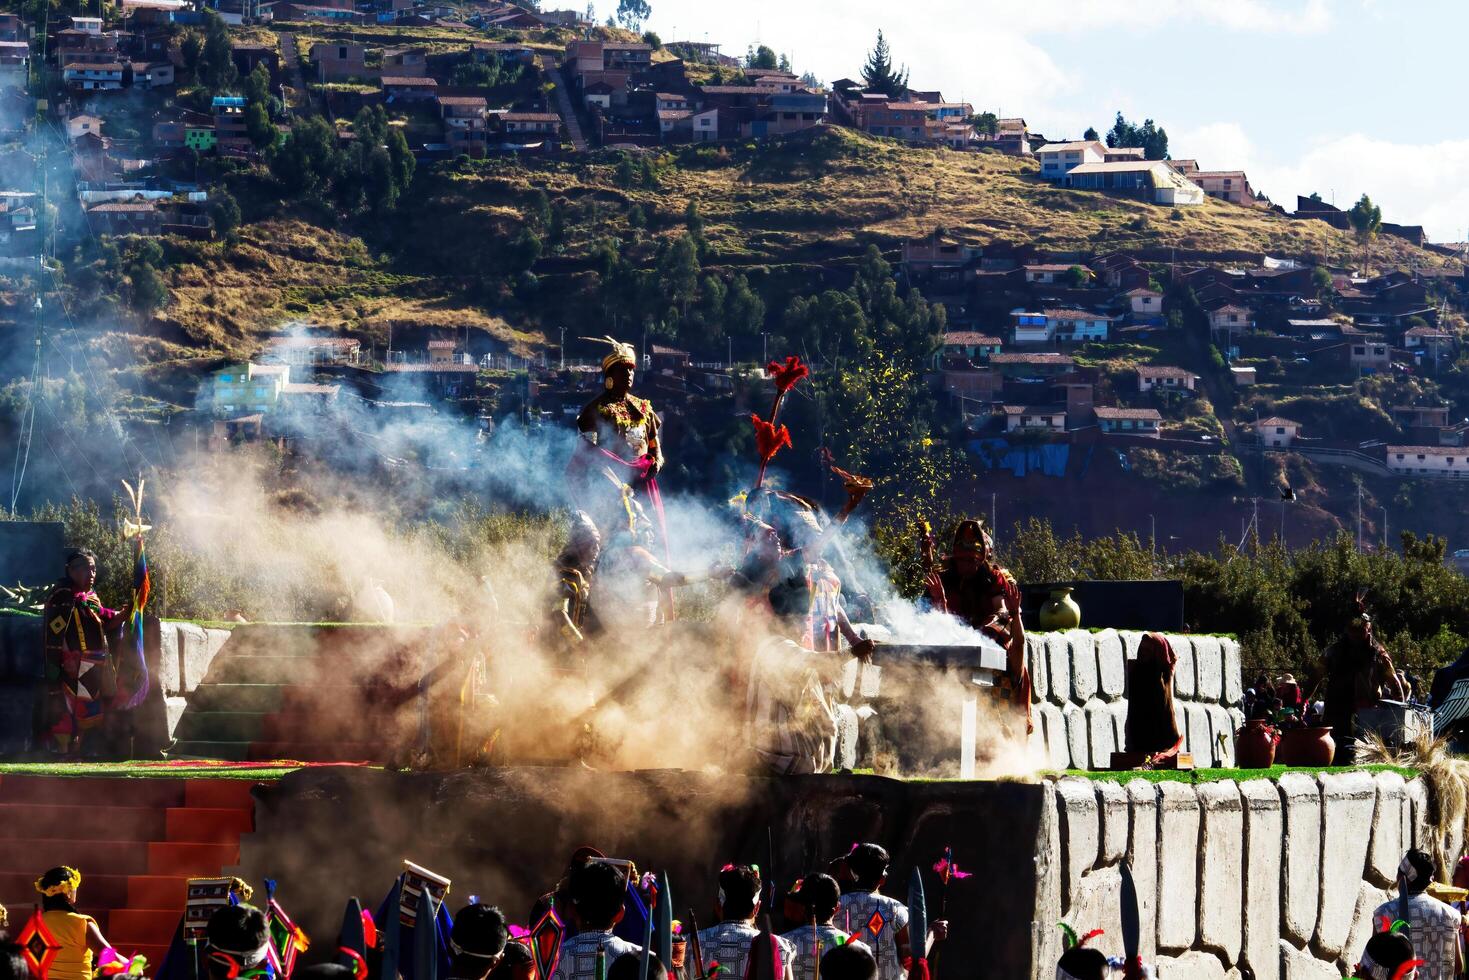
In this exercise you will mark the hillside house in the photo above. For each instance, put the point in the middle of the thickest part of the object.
(1226, 185)
(1165, 377)
(124, 218)
(13, 28)
(970, 345)
(974, 385)
(77, 125)
(408, 89)
(229, 122)
(1369, 354)
(531, 123)
(484, 51)
(1421, 416)
(1019, 365)
(1032, 418)
(1151, 180)
(1032, 328)
(1050, 273)
(1144, 303)
(1231, 319)
(302, 350)
(405, 63)
(1078, 326)
(248, 388)
(339, 62)
(1059, 159)
(1431, 340)
(247, 56)
(923, 255)
(106, 76)
(1438, 461)
(466, 127)
(152, 74)
(1243, 377)
(1276, 432)
(15, 64)
(1142, 422)
(1124, 154)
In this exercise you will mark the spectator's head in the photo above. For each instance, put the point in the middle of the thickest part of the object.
(58, 888)
(739, 892)
(1384, 954)
(1415, 873)
(598, 892)
(627, 966)
(869, 866)
(477, 940)
(515, 964)
(238, 940)
(850, 961)
(820, 895)
(1082, 963)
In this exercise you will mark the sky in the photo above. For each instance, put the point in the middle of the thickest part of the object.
(1341, 97)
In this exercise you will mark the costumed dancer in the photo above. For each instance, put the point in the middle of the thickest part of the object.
(972, 586)
(238, 944)
(1083, 962)
(477, 942)
(727, 943)
(1433, 926)
(620, 439)
(598, 892)
(819, 897)
(574, 569)
(80, 673)
(1389, 956)
(877, 919)
(1359, 673)
(1152, 728)
(76, 936)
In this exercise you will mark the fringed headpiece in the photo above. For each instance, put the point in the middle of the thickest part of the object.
(970, 537)
(71, 878)
(621, 353)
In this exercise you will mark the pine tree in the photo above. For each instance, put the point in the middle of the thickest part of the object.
(878, 73)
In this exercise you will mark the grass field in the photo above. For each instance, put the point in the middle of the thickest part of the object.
(1219, 775)
(259, 772)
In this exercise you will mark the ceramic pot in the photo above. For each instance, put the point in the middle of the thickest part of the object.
(1254, 746)
(1061, 612)
(1305, 747)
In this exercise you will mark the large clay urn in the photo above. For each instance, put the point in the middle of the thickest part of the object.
(1060, 612)
(1254, 746)
(1305, 747)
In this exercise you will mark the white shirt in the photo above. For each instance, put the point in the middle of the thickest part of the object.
(804, 940)
(579, 954)
(728, 944)
(861, 912)
(1434, 929)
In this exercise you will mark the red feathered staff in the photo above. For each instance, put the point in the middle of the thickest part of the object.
(768, 438)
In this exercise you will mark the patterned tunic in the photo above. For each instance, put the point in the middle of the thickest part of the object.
(728, 944)
(81, 677)
(579, 954)
(804, 940)
(1434, 931)
(876, 920)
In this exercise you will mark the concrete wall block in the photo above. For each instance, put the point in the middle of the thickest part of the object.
(1197, 737)
(1051, 724)
(1101, 734)
(1111, 664)
(1185, 674)
(1301, 805)
(173, 710)
(1221, 878)
(1221, 734)
(1209, 667)
(1058, 663)
(1084, 682)
(1097, 905)
(1347, 802)
(1178, 867)
(1387, 830)
(197, 651)
(1112, 802)
(1234, 681)
(1298, 965)
(1142, 856)
(1417, 791)
(1081, 834)
(1368, 899)
(1191, 966)
(1035, 662)
(1119, 722)
(1078, 749)
(1045, 938)
(170, 667)
(1263, 827)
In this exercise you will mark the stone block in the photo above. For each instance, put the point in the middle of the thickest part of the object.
(1111, 665)
(1051, 725)
(1298, 965)
(1142, 856)
(1368, 899)
(173, 710)
(1076, 737)
(1083, 665)
(1130, 642)
(1045, 939)
(1417, 791)
(1387, 830)
(1263, 837)
(1221, 877)
(1118, 711)
(1081, 833)
(170, 659)
(1178, 866)
(1191, 966)
(1234, 681)
(1221, 734)
(1101, 734)
(1197, 737)
(1236, 718)
(1058, 663)
(1301, 807)
(1347, 803)
(1209, 668)
(1035, 662)
(1097, 905)
(197, 651)
(1185, 674)
(1112, 802)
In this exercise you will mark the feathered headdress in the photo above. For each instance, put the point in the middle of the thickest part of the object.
(71, 878)
(621, 353)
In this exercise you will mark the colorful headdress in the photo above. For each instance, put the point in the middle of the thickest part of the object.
(72, 878)
(1363, 616)
(621, 353)
(1076, 950)
(970, 538)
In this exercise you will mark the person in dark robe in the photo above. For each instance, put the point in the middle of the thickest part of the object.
(560, 896)
(79, 670)
(1152, 727)
(1359, 674)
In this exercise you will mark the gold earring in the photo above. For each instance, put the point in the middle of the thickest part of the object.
(607, 383)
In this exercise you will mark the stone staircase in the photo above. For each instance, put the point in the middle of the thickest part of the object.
(135, 841)
(312, 694)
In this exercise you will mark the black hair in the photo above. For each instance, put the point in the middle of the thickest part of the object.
(1423, 870)
(598, 892)
(850, 961)
(480, 931)
(868, 864)
(517, 953)
(55, 903)
(821, 895)
(76, 554)
(1389, 950)
(628, 965)
(740, 886)
(233, 930)
(13, 963)
(1084, 963)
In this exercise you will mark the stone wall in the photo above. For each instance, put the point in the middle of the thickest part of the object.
(1080, 694)
(185, 651)
(1261, 878)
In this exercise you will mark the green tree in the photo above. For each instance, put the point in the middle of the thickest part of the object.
(879, 75)
(224, 211)
(1152, 138)
(678, 271)
(762, 57)
(523, 252)
(258, 127)
(1077, 277)
(256, 85)
(1090, 134)
(986, 122)
(191, 48)
(148, 291)
(744, 310)
(216, 62)
(632, 13)
(652, 40)
(1366, 220)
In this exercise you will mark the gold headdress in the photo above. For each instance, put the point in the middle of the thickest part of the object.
(621, 353)
(72, 879)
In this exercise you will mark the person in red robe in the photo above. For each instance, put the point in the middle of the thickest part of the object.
(80, 673)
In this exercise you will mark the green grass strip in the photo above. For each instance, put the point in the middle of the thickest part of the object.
(1220, 775)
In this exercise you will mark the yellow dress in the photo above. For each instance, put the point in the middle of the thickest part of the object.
(74, 961)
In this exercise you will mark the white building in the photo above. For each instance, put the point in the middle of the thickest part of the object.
(1153, 180)
(1144, 301)
(1048, 418)
(1078, 326)
(1059, 159)
(1165, 378)
(1276, 432)
(1442, 461)
(1129, 421)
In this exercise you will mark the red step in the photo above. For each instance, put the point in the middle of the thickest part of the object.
(153, 892)
(190, 860)
(24, 821)
(127, 928)
(93, 791)
(99, 890)
(200, 826)
(220, 794)
(116, 857)
(316, 751)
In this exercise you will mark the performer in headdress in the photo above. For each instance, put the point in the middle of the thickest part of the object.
(77, 935)
(1152, 728)
(575, 567)
(632, 583)
(727, 942)
(877, 919)
(559, 897)
(819, 897)
(1433, 926)
(972, 586)
(80, 673)
(1359, 674)
(620, 436)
